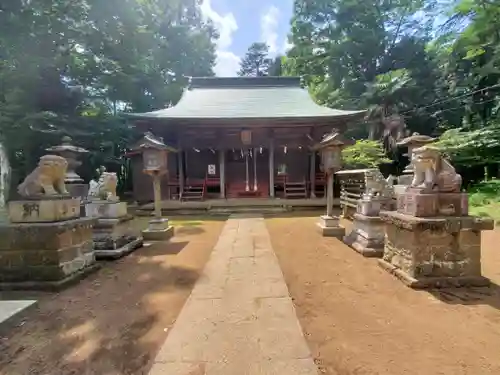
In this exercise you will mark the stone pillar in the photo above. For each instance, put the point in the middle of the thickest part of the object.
(329, 195)
(255, 185)
(271, 169)
(157, 196)
(222, 172)
(313, 174)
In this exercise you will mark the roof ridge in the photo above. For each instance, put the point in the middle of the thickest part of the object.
(243, 82)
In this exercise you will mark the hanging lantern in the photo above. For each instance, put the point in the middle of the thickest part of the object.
(246, 137)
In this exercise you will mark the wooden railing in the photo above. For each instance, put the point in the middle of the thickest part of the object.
(352, 186)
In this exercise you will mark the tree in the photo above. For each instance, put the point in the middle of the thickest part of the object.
(276, 67)
(256, 62)
(364, 154)
(346, 50)
(69, 68)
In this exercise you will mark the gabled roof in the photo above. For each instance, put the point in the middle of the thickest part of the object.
(247, 98)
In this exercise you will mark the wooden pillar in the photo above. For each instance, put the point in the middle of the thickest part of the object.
(247, 177)
(271, 169)
(180, 166)
(254, 154)
(222, 173)
(313, 174)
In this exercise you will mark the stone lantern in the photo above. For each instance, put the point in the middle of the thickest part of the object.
(74, 183)
(155, 163)
(330, 148)
(412, 142)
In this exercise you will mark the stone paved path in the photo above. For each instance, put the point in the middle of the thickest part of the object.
(239, 319)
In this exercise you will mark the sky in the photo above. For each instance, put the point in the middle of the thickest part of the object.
(243, 22)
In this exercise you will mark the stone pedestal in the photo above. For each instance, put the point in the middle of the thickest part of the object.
(367, 235)
(414, 202)
(114, 238)
(76, 190)
(45, 255)
(44, 210)
(427, 252)
(114, 234)
(329, 227)
(106, 210)
(158, 230)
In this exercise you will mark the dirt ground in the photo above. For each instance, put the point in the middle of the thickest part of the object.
(114, 321)
(360, 320)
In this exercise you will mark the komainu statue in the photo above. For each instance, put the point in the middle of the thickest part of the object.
(376, 185)
(434, 173)
(104, 188)
(46, 179)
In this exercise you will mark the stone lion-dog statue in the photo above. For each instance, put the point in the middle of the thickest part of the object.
(376, 185)
(46, 179)
(433, 172)
(104, 188)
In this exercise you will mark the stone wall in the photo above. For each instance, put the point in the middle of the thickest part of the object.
(41, 253)
(433, 248)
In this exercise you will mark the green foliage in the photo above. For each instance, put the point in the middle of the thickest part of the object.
(484, 199)
(364, 154)
(68, 68)
(356, 54)
(256, 62)
(484, 193)
(473, 147)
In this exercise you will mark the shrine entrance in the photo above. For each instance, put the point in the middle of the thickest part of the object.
(247, 173)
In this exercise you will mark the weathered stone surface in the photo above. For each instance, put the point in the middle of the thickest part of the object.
(329, 226)
(158, 235)
(106, 210)
(44, 254)
(367, 235)
(43, 210)
(114, 238)
(239, 318)
(429, 252)
(416, 203)
(77, 190)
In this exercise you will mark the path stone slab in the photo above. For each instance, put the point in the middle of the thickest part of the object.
(239, 318)
(8, 309)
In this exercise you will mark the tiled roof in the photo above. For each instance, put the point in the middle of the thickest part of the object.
(246, 98)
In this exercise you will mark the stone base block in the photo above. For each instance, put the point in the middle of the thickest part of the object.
(45, 255)
(44, 210)
(121, 251)
(105, 209)
(371, 207)
(434, 282)
(158, 234)
(114, 238)
(51, 286)
(329, 227)
(434, 252)
(79, 191)
(415, 203)
(367, 236)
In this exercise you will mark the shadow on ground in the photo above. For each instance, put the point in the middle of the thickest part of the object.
(489, 296)
(114, 321)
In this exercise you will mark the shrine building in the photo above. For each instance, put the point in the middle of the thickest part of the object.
(241, 137)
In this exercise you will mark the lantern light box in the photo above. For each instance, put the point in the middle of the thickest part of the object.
(154, 160)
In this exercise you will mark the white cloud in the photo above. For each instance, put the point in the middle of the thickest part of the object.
(268, 28)
(287, 46)
(227, 62)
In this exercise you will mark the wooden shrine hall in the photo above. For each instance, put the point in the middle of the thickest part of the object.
(244, 137)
